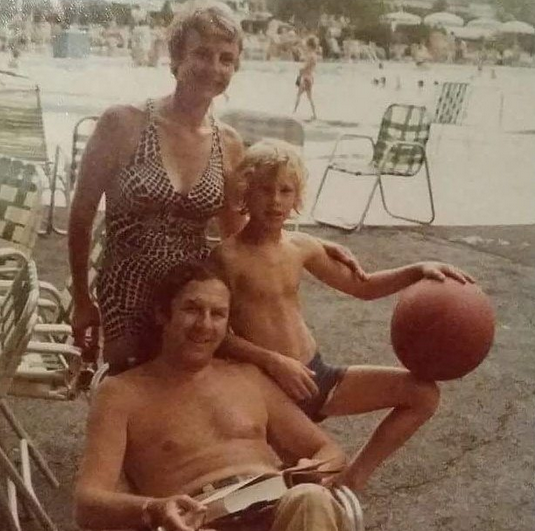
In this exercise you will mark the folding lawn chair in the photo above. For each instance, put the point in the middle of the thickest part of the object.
(22, 132)
(21, 189)
(451, 104)
(81, 133)
(18, 317)
(52, 368)
(256, 125)
(398, 152)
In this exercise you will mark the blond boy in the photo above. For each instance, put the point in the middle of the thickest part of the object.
(264, 264)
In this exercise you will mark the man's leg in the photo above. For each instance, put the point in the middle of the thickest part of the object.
(365, 389)
(309, 507)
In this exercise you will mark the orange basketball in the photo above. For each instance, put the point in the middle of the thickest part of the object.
(442, 330)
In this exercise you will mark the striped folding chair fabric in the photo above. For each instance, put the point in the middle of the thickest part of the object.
(349, 501)
(21, 186)
(398, 151)
(18, 316)
(451, 103)
(67, 180)
(22, 131)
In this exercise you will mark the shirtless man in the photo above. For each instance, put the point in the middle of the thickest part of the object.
(263, 265)
(185, 421)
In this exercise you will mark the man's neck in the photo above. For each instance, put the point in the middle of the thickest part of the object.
(169, 365)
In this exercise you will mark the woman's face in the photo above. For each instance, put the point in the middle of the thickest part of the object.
(207, 64)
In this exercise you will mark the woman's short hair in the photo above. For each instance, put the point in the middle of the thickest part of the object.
(214, 18)
(270, 155)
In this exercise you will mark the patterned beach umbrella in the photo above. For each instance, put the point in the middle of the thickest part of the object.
(485, 23)
(515, 26)
(444, 19)
(402, 18)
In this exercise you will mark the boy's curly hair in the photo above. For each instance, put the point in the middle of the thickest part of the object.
(270, 155)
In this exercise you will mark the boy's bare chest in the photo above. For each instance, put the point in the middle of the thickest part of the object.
(266, 274)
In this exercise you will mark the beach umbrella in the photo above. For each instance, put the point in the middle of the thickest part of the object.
(444, 19)
(485, 23)
(515, 26)
(402, 18)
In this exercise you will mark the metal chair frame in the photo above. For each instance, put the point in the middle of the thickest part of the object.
(18, 317)
(379, 171)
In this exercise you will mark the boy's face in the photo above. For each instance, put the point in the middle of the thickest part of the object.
(271, 197)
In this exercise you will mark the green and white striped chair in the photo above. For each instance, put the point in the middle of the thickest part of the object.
(18, 318)
(451, 103)
(22, 131)
(398, 152)
(21, 186)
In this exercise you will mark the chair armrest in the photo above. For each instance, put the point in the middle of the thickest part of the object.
(57, 329)
(47, 347)
(347, 136)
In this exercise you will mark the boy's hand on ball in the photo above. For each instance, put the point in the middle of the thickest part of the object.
(439, 271)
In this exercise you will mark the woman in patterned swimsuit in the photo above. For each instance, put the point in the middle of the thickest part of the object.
(164, 168)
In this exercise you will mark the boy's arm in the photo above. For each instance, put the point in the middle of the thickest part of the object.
(377, 285)
(294, 378)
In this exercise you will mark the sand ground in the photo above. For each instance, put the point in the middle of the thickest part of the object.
(471, 468)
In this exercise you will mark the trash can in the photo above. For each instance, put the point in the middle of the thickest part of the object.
(71, 43)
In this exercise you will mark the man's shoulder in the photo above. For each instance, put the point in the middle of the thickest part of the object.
(122, 386)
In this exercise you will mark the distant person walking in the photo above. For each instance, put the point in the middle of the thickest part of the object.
(305, 79)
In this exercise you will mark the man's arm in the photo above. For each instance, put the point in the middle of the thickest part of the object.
(99, 503)
(378, 284)
(292, 433)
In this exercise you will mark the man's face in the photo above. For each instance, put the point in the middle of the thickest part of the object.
(198, 321)
(208, 63)
(271, 198)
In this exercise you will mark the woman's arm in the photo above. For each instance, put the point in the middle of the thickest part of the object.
(106, 151)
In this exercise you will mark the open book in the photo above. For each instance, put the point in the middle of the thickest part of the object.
(258, 492)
